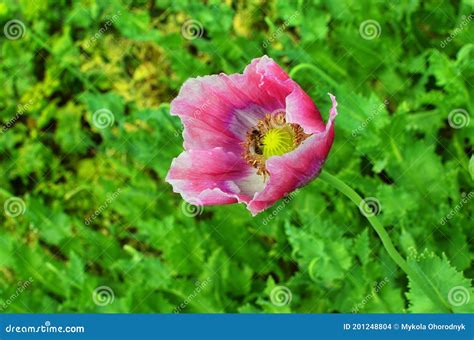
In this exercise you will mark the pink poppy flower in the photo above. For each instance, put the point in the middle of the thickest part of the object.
(252, 138)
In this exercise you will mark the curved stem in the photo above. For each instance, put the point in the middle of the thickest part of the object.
(321, 73)
(419, 278)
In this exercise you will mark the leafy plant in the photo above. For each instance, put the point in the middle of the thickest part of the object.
(86, 140)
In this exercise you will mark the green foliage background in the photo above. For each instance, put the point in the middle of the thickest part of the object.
(143, 246)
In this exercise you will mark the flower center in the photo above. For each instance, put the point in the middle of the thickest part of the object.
(272, 136)
(278, 141)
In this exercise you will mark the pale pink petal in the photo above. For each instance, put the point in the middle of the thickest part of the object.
(213, 177)
(301, 110)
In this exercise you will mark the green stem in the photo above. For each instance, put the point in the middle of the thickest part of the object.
(418, 278)
(321, 73)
